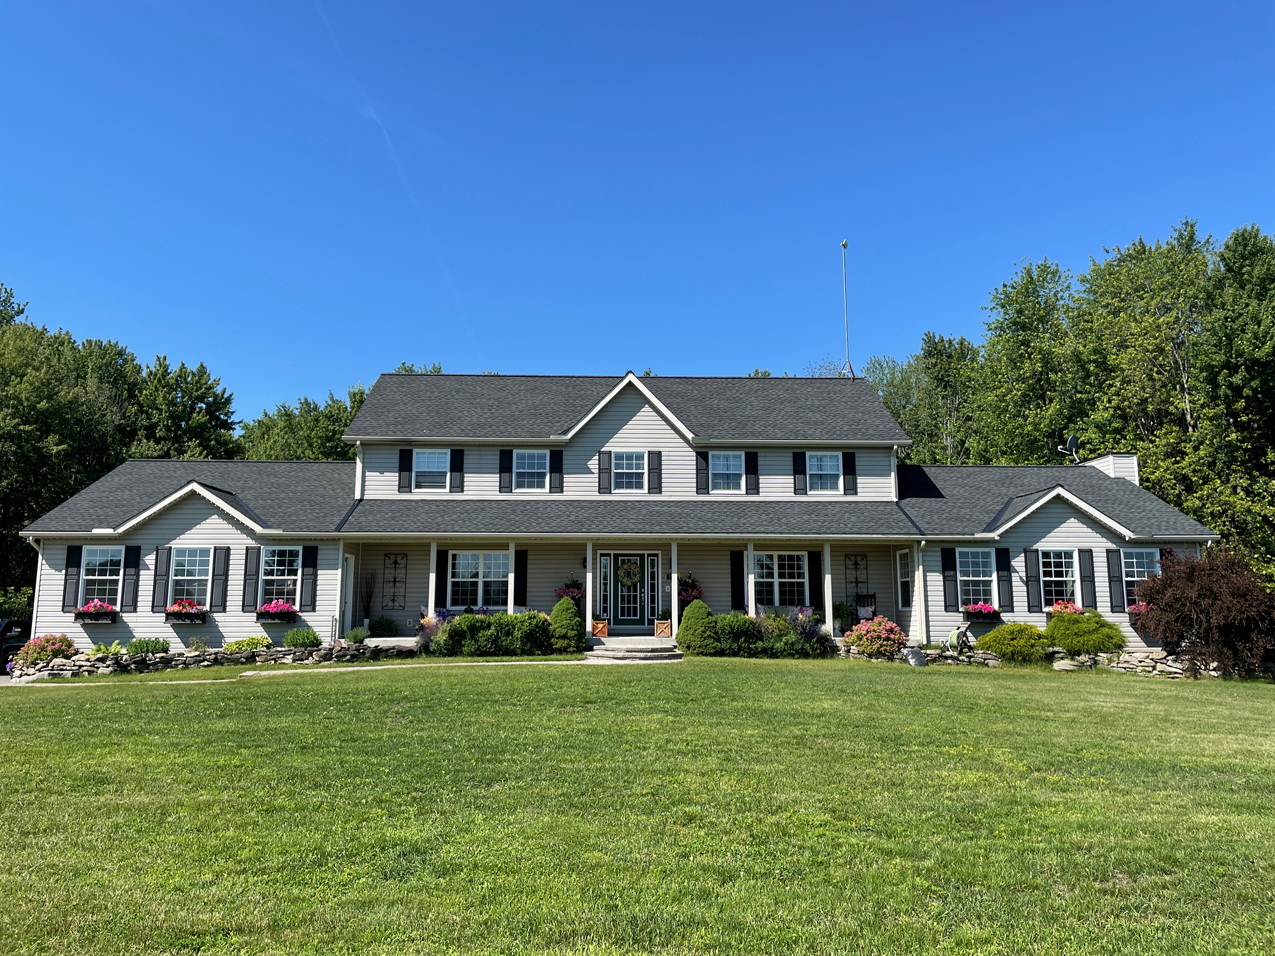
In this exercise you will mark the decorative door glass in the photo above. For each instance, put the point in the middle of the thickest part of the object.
(629, 591)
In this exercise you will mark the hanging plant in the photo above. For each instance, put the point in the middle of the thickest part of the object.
(629, 574)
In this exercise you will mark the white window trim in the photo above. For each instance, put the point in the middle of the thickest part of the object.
(743, 476)
(911, 579)
(447, 472)
(261, 583)
(996, 597)
(482, 580)
(1124, 570)
(207, 579)
(642, 471)
(1075, 576)
(119, 582)
(836, 456)
(774, 581)
(513, 477)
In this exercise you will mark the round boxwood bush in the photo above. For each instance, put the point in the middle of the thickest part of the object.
(879, 637)
(261, 643)
(697, 633)
(1088, 633)
(148, 645)
(567, 628)
(1016, 643)
(301, 637)
(383, 627)
(44, 648)
(738, 635)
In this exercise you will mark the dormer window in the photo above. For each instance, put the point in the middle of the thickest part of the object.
(628, 470)
(531, 470)
(823, 472)
(431, 470)
(726, 471)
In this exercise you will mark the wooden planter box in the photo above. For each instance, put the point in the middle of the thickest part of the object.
(600, 628)
(663, 628)
(96, 617)
(185, 617)
(276, 617)
(981, 617)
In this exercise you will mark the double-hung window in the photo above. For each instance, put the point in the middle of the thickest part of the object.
(726, 471)
(192, 569)
(1057, 576)
(102, 574)
(779, 579)
(975, 573)
(531, 470)
(478, 579)
(432, 467)
(280, 575)
(903, 562)
(823, 472)
(1138, 566)
(628, 470)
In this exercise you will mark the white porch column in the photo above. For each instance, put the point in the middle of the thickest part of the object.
(750, 580)
(433, 578)
(588, 587)
(920, 599)
(509, 602)
(827, 589)
(672, 601)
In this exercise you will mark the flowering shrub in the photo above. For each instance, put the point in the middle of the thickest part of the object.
(276, 607)
(261, 643)
(95, 606)
(980, 608)
(1138, 607)
(877, 637)
(688, 589)
(184, 606)
(571, 588)
(1066, 607)
(44, 648)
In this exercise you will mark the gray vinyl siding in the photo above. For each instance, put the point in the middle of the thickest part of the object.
(628, 423)
(873, 466)
(191, 522)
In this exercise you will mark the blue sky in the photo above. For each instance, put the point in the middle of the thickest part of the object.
(305, 194)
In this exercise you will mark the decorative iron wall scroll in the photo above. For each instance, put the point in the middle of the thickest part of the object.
(856, 575)
(394, 583)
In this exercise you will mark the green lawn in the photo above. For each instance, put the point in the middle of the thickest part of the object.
(707, 806)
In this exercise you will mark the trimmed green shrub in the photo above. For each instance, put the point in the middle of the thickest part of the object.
(261, 643)
(697, 633)
(383, 627)
(115, 648)
(356, 635)
(879, 637)
(1017, 643)
(148, 645)
(301, 637)
(567, 628)
(44, 648)
(791, 635)
(1088, 633)
(528, 633)
(738, 635)
(532, 633)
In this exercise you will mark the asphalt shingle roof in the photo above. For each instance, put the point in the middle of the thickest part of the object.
(534, 407)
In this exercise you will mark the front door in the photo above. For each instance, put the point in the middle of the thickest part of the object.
(628, 589)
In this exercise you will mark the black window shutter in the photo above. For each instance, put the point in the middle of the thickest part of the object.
(405, 468)
(520, 577)
(457, 483)
(1088, 591)
(159, 590)
(849, 473)
(752, 483)
(220, 579)
(555, 476)
(251, 575)
(132, 563)
(655, 472)
(309, 576)
(951, 589)
(71, 577)
(738, 582)
(604, 472)
(1115, 580)
(442, 573)
(799, 473)
(506, 471)
(701, 473)
(1004, 579)
(1034, 599)
(814, 581)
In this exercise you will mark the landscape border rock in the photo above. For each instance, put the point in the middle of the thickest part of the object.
(1148, 663)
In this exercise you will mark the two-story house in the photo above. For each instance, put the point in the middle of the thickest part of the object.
(492, 491)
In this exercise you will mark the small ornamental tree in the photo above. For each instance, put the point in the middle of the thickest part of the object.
(1214, 611)
(566, 627)
(697, 631)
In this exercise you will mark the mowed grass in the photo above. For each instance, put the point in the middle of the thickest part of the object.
(703, 807)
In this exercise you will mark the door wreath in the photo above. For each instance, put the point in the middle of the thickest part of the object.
(629, 574)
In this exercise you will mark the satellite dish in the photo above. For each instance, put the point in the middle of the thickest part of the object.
(1070, 448)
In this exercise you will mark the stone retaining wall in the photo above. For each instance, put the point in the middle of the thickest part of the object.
(1146, 663)
(84, 664)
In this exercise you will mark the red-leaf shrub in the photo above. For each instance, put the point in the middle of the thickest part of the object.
(1211, 611)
